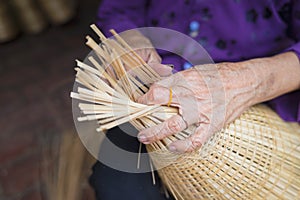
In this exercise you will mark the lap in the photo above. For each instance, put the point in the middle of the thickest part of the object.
(110, 184)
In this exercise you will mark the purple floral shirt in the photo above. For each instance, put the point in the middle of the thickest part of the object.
(230, 30)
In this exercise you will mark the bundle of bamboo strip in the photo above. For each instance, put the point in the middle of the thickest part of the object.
(257, 156)
(65, 165)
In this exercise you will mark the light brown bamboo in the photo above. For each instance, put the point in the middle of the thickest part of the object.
(257, 156)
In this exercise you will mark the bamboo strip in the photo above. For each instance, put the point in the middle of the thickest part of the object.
(255, 157)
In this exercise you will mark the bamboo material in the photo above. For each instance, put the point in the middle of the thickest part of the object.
(58, 11)
(255, 157)
(29, 16)
(65, 166)
(8, 28)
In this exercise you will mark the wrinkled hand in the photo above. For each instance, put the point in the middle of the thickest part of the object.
(144, 48)
(209, 96)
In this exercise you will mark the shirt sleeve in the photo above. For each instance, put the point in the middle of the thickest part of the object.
(294, 27)
(121, 15)
(288, 105)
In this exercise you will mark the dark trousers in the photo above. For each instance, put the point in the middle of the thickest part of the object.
(112, 184)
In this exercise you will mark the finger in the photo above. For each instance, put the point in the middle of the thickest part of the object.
(153, 56)
(155, 95)
(158, 94)
(154, 60)
(143, 54)
(180, 79)
(169, 127)
(162, 70)
(192, 143)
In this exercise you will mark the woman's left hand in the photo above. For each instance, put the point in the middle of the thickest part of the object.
(144, 48)
(209, 96)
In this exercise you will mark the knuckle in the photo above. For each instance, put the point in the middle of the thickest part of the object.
(155, 94)
(155, 134)
(191, 73)
(162, 134)
(188, 146)
(174, 126)
(150, 97)
(152, 134)
(196, 143)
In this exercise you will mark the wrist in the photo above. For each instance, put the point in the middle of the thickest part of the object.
(260, 77)
(274, 75)
(240, 82)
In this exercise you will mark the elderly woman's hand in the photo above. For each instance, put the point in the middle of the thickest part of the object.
(212, 96)
(208, 96)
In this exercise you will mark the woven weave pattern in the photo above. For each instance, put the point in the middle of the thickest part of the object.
(255, 157)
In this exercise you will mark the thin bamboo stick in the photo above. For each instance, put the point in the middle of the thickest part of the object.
(255, 156)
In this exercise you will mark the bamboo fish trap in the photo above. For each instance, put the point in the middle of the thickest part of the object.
(255, 157)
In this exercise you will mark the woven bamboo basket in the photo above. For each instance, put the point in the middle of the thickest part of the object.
(58, 11)
(8, 28)
(29, 16)
(255, 157)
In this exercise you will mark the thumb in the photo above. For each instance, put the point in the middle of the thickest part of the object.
(162, 70)
(154, 60)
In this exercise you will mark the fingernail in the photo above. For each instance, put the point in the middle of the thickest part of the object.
(142, 138)
(172, 148)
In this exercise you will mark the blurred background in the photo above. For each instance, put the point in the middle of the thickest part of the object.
(40, 154)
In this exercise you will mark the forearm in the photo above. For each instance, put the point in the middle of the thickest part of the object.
(274, 76)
